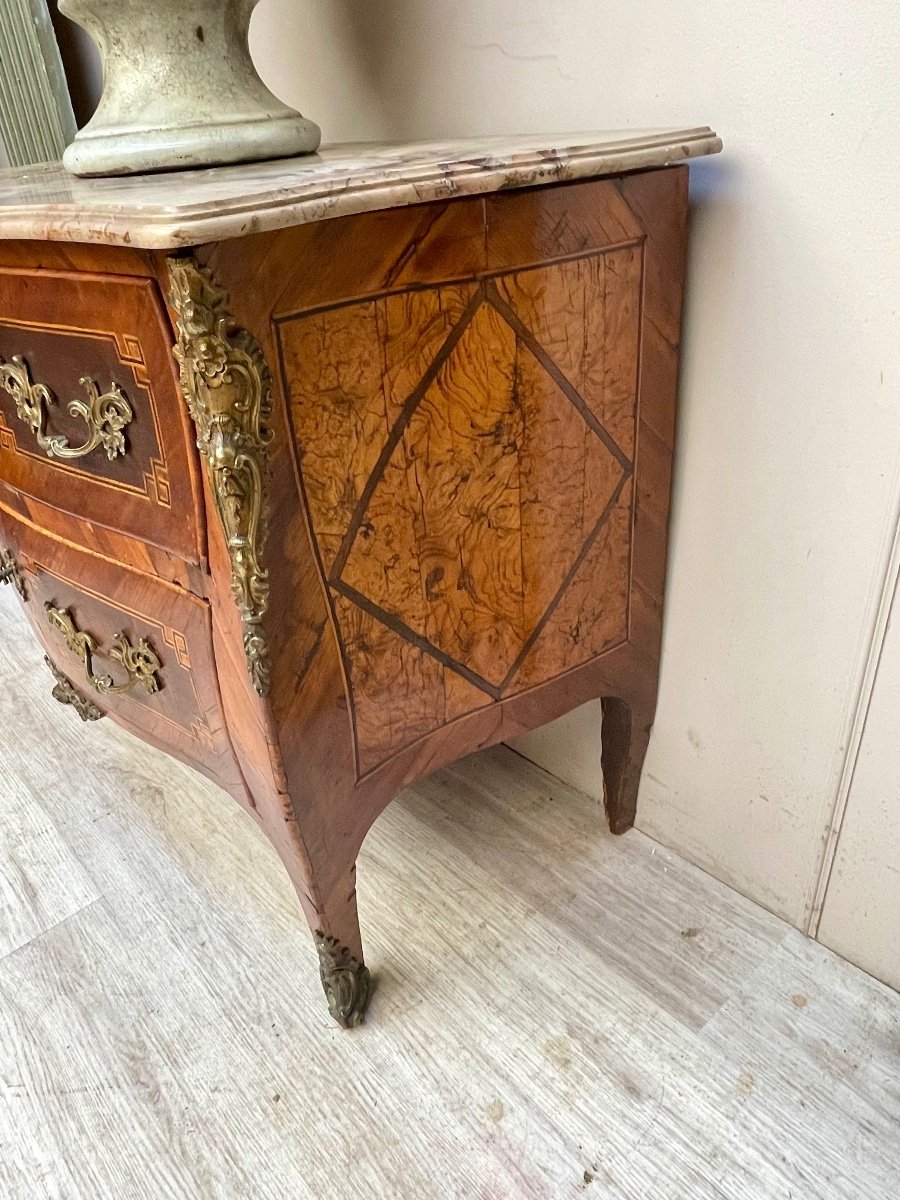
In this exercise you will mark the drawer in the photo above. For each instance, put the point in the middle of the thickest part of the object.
(91, 418)
(128, 645)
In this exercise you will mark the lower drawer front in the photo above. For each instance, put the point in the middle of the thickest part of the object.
(123, 644)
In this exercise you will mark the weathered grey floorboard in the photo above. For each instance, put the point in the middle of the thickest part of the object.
(559, 1013)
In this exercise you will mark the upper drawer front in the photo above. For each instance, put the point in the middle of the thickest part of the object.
(91, 420)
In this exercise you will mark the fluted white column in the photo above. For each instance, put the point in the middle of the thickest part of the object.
(36, 120)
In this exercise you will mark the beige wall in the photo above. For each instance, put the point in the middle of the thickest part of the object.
(861, 902)
(317, 55)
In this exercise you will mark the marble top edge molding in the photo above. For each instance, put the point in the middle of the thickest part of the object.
(179, 209)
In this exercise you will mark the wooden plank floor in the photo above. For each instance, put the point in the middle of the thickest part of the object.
(559, 1013)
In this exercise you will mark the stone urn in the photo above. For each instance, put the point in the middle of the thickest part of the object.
(179, 90)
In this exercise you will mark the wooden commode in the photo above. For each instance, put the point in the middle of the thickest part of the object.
(322, 473)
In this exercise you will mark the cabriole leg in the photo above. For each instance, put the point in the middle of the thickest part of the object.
(335, 927)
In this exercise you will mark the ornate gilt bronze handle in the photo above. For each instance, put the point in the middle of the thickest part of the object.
(228, 389)
(140, 662)
(105, 415)
(66, 694)
(10, 573)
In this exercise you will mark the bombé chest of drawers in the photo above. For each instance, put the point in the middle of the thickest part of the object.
(321, 474)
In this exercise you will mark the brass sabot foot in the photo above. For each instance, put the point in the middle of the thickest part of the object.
(346, 981)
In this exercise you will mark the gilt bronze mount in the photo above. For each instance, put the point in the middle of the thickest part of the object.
(106, 414)
(10, 573)
(141, 662)
(228, 389)
(345, 979)
(66, 694)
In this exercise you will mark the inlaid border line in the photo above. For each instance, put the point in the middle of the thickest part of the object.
(521, 330)
(455, 280)
(402, 630)
(567, 579)
(399, 428)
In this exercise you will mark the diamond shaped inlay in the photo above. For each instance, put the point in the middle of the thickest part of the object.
(481, 511)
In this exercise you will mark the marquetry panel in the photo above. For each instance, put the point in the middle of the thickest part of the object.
(466, 453)
(111, 331)
(400, 692)
(350, 371)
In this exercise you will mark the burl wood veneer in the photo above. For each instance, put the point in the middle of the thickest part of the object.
(321, 508)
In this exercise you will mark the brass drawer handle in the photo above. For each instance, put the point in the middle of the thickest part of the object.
(105, 415)
(140, 662)
(66, 694)
(10, 573)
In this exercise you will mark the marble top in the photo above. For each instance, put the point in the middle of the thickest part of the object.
(184, 208)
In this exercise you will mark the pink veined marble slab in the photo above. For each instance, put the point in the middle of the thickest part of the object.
(184, 208)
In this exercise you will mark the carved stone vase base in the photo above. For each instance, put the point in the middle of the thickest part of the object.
(181, 147)
(180, 90)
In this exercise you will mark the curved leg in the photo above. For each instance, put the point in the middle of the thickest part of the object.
(346, 981)
(626, 732)
(334, 923)
(342, 969)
